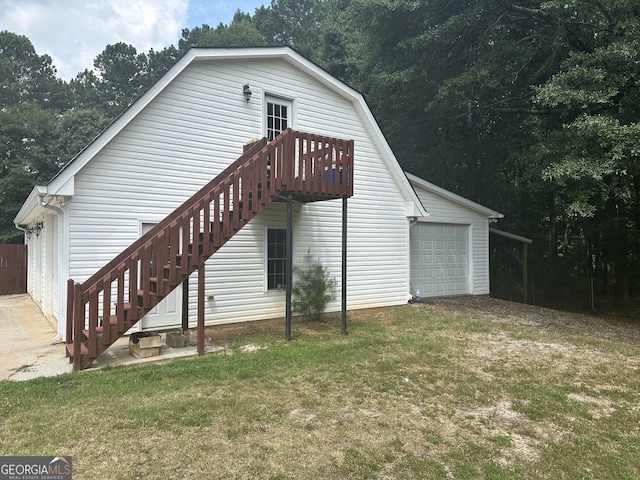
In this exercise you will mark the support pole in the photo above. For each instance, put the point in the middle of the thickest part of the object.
(70, 295)
(78, 326)
(344, 266)
(525, 274)
(289, 267)
(201, 275)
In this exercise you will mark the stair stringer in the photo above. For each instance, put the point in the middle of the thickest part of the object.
(176, 232)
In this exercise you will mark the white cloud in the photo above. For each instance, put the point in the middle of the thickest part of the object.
(74, 32)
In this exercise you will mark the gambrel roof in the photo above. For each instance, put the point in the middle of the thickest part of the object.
(62, 185)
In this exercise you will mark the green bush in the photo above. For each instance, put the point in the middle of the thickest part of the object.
(313, 288)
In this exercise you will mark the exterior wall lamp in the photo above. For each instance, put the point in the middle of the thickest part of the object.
(246, 91)
(37, 228)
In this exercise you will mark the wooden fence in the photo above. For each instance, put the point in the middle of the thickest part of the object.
(13, 269)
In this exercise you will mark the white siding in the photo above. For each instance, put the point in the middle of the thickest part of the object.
(444, 210)
(188, 134)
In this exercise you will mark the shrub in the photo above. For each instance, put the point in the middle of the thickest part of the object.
(313, 288)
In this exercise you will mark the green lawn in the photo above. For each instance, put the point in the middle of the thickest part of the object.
(412, 392)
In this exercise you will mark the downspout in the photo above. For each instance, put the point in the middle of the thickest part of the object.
(45, 204)
(413, 220)
(20, 227)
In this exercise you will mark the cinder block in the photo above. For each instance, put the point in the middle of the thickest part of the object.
(176, 340)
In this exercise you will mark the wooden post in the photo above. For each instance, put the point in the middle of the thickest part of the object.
(344, 265)
(78, 326)
(201, 275)
(289, 267)
(70, 293)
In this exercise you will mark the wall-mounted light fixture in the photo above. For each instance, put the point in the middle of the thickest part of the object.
(37, 228)
(29, 233)
(246, 91)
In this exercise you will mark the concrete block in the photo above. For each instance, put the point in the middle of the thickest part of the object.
(176, 340)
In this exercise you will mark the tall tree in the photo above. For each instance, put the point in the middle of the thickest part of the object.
(595, 151)
(123, 76)
(26, 77)
(297, 23)
(31, 101)
(241, 32)
(509, 103)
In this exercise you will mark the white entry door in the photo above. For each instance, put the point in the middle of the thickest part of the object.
(439, 259)
(168, 313)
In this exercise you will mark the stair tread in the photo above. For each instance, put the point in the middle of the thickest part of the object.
(113, 319)
(141, 294)
(155, 280)
(83, 349)
(86, 331)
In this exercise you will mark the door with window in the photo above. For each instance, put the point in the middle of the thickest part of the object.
(279, 116)
(168, 313)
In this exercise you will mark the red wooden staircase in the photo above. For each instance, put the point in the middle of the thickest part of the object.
(110, 302)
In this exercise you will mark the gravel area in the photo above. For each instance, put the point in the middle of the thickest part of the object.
(609, 326)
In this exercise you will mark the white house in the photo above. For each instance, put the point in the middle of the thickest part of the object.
(190, 126)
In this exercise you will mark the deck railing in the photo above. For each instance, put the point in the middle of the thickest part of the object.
(110, 302)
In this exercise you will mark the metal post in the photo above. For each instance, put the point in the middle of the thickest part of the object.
(344, 266)
(289, 267)
(525, 275)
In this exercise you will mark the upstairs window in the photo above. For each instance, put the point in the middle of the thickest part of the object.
(278, 117)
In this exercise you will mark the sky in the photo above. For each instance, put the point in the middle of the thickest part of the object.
(74, 32)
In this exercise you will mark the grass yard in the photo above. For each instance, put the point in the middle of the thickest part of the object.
(420, 391)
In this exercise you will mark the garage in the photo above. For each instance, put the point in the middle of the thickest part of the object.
(450, 246)
(439, 259)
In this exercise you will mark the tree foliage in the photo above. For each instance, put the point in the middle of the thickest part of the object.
(530, 107)
(241, 32)
(31, 98)
(596, 149)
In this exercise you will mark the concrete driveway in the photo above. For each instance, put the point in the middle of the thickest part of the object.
(26, 351)
(25, 341)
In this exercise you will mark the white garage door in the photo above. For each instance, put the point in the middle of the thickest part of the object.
(439, 259)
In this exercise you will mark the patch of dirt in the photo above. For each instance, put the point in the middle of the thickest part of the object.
(598, 407)
(499, 423)
(500, 420)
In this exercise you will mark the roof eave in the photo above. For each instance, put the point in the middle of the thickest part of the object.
(31, 207)
(465, 202)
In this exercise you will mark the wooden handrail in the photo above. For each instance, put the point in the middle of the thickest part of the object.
(255, 147)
